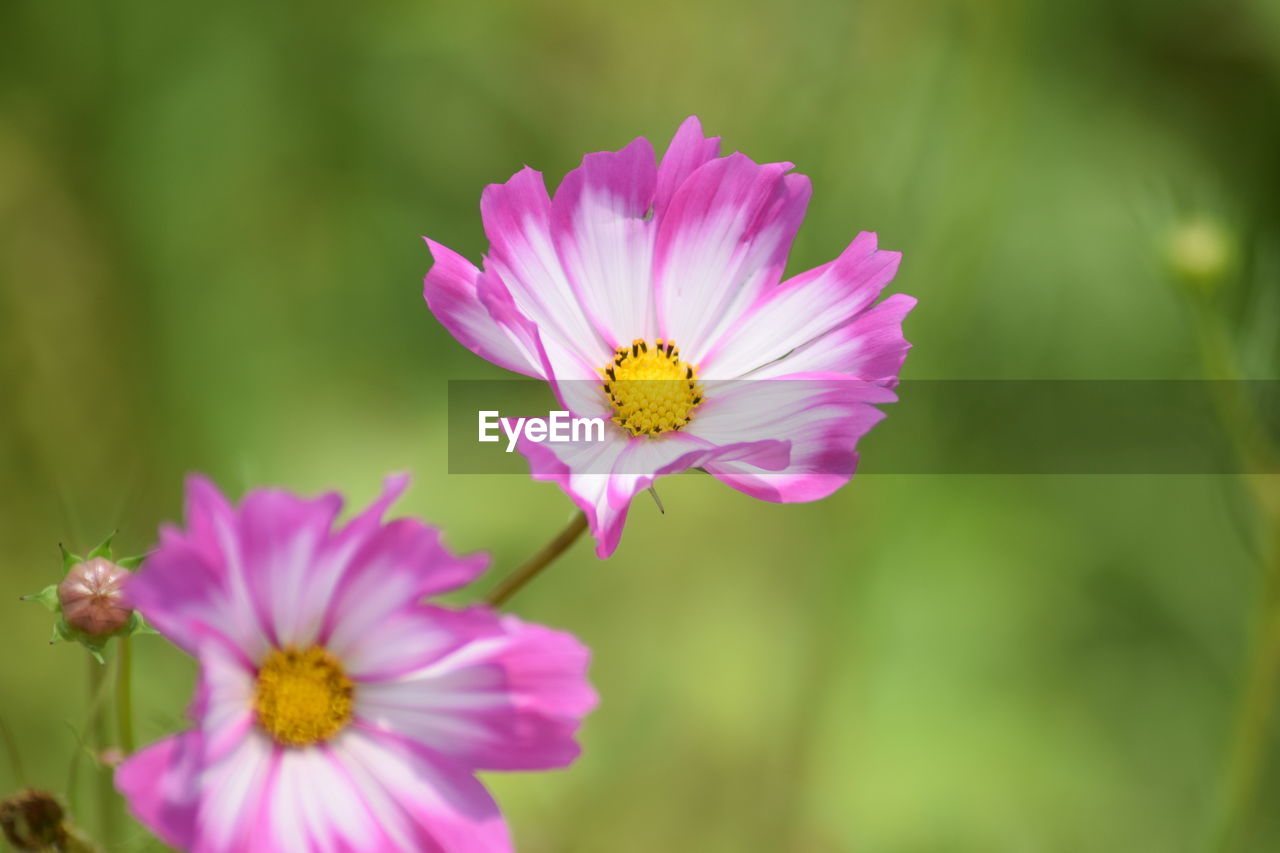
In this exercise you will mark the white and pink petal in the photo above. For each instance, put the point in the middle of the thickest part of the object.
(511, 698)
(160, 785)
(451, 289)
(421, 799)
(688, 150)
(602, 231)
(822, 416)
(801, 310)
(871, 346)
(722, 242)
(603, 477)
(517, 219)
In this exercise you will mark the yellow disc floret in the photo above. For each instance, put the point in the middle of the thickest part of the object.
(651, 390)
(303, 697)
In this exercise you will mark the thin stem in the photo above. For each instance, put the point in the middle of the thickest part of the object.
(15, 756)
(124, 695)
(103, 787)
(513, 582)
(1253, 729)
(1252, 732)
(1238, 414)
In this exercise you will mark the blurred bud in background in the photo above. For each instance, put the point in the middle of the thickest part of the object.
(1202, 253)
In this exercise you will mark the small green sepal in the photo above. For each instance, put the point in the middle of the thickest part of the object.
(138, 625)
(104, 548)
(47, 596)
(68, 559)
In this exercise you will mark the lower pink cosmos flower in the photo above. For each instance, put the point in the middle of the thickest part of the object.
(651, 295)
(335, 711)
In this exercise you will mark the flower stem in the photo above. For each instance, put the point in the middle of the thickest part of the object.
(1252, 732)
(15, 756)
(1253, 728)
(513, 582)
(124, 695)
(106, 794)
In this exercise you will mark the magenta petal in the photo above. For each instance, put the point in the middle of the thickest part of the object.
(688, 150)
(546, 671)
(159, 784)
(450, 291)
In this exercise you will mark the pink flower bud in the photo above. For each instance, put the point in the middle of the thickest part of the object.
(92, 597)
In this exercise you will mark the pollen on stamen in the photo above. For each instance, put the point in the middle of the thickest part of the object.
(650, 389)
(302, 697)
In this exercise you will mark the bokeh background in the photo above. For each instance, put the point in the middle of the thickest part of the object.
(210, 261)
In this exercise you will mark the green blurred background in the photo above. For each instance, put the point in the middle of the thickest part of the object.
(210, 261)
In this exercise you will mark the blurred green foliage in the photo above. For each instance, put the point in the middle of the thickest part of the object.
(210, 260)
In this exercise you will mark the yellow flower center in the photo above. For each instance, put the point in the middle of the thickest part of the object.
(303, 697)
(650, 389)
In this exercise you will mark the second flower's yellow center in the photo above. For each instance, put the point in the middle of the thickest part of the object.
(651, 390)
(303, 697)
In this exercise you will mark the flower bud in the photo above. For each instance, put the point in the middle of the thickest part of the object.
(92, 598)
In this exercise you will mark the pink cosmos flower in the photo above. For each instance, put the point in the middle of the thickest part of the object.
(335, 711)
(652, 296)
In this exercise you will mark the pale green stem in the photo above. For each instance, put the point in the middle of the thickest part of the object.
(102, 778)
(1252, 732)
(15, 756)
(1253, 729)
(124, 695)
